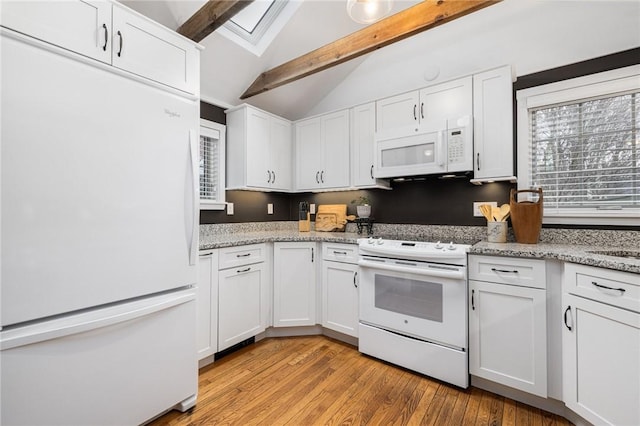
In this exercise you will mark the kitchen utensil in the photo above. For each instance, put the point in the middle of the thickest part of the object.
(485, 209)
(526, 216)
(505, 210)
(338, 217)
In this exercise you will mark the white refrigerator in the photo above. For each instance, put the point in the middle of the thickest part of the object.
(99, 230)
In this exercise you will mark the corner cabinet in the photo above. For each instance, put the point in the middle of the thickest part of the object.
(508, 322)
(207, 304)
(258, 150)
(322, 152)
(601, 344)
(493, 125)
(113, 34)
(363, 129)
(294, 284)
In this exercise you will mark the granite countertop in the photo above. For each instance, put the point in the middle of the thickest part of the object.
(563, 245)
(581, 254)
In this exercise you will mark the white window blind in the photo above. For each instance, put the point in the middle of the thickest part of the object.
(586, 154)
(211, 166)
(209, 173)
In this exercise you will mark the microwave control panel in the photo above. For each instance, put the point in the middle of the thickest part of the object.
(456, 145)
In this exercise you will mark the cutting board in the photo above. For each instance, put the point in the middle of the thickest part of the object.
(331, 217)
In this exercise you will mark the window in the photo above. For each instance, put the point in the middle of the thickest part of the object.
(579, 140)
(211, 165)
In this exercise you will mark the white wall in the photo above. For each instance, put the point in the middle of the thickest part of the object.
(531, 35)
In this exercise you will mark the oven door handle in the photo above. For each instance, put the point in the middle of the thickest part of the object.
(435, 272)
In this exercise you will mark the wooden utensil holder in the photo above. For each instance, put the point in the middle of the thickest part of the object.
(526, 216)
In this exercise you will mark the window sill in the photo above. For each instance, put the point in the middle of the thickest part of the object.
(627, 217)
(212, 205)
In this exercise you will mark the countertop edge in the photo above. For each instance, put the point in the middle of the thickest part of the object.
(565, 253)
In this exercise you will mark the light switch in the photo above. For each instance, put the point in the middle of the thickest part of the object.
(270, 208)
(477, 204)
(229, 209)
(312, 209)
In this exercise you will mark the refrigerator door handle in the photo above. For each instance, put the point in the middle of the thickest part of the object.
(195, 204)
(88, 321)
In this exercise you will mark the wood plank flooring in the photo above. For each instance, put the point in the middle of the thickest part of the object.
(315, 380)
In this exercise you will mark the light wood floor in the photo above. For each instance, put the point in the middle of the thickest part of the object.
(315, 380)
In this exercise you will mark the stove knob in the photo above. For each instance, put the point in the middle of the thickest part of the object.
(451, 246)
(439, 246)
(370, 240)
(380, 242)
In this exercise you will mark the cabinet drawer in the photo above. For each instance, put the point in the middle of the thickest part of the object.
(242, 255)
(508, 270)
(616, 288)
(338, 252)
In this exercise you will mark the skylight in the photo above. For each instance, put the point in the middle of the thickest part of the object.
(255, 26)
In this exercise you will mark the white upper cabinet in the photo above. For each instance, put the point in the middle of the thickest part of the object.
(145, 48)
(408, 111)
(83, 27)
(493, 125)
(258, 150)
(322, 152)
(111, 33)
(363, 128)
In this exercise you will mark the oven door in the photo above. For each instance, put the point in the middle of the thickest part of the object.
(416, 299)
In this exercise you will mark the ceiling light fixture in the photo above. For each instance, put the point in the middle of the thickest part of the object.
(368, 11)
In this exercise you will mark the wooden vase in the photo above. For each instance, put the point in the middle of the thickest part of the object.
(526, 217)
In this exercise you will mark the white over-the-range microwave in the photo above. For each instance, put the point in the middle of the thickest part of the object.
(437, 147)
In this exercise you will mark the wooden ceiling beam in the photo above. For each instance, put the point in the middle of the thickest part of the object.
(212, 15)
(421, 17)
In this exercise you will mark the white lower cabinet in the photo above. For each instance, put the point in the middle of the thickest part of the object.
(294, 284)
(339, 290)
(508, 329)
(241, 294)
(601, 346)
(207, 304)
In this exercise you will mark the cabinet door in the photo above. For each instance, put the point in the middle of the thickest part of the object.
(258, 136)
(294, 284)
(207, 305)
(507, 335)
(80, 26)
(363, 127)
(493, 124)
(601, 362)
(150, 50)
(280, 154)
(397, 112)
(308, 154)
(240, 313)
(335, 146)
(450, 100)
(340, 297)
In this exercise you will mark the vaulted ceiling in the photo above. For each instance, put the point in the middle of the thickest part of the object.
(531, 35)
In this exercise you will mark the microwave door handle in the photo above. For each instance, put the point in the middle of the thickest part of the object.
(440, 148)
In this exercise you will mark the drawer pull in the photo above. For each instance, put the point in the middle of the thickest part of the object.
(240, 271)
(473, 302)
(515, 271)
(243, 255)
(340, 252)
(621, 290)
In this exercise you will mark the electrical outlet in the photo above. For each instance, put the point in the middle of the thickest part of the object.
(477, 204)
(229, 209)
(270, 208)
(312, 209)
